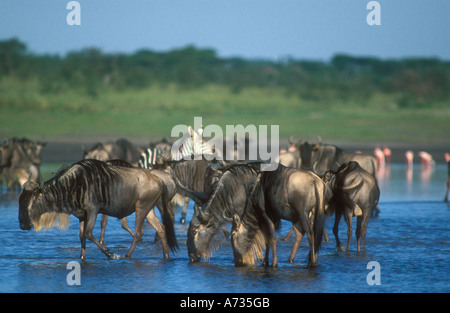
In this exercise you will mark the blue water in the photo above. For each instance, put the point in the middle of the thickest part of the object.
(410, 240)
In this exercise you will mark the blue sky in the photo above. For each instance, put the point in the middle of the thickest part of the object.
(271, 29)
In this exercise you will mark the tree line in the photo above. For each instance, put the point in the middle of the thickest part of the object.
(414, 81)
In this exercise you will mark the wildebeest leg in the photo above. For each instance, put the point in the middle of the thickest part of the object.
(298, 239)
(143, 209)
(83, 240)
(141, 213)
(124, 224)
(364, 231)
(291, 232)
(184, 211)
(358, 232)
(89, 226)
(325, 234)
(272, 242)
(266, 255)
(337, 219)
(312, 252)
(160, 231)
(103, 223)
(348, 219)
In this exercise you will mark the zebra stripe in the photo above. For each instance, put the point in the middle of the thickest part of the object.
(192, 145)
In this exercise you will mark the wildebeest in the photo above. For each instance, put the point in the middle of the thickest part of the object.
(21, 157)
(331, 157)
(121, 149)
(290, 159)
(286, 193)
(171, 188)
(192, 174)
(355, 193)
(90, 187)
(229, 192)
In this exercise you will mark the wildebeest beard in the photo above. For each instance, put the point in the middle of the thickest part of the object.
(228, 194)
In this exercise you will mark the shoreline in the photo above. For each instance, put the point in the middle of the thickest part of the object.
(70, 149)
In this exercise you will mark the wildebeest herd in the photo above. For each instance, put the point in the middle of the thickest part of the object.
(117, 179)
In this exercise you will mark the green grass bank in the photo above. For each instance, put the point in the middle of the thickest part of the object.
(152, 112)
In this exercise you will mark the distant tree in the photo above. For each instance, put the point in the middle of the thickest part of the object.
(12, 53)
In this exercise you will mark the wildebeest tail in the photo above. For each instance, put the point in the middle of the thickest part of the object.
(198, 196)
(168, 220)
(318, 225)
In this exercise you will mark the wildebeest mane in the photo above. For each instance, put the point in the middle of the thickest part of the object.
(257, 228)
(189, 172)
(231, 179)
(65, 191)
(119, 162)
(243, 172)
(84, 178)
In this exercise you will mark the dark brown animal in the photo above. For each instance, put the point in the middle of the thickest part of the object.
(327, 157)
(121, 149)
(153, 220)
(355, 193)
(228, 192)
(286, 193)
(20, 161)
(90, 187)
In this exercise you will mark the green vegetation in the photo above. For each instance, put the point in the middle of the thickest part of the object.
(146, 93)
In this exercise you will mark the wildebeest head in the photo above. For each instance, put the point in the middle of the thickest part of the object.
(306, 150)
(198, 235)
(29, 193)
(33, 211)
(34, 151)
(98, 152)
(247, 242)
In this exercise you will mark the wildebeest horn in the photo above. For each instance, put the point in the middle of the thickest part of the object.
(40, 180)
(226, 218)
(314, 167)
(201, 216)
(315, 170)
(319, 142)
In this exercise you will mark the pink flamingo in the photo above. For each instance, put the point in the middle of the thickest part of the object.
(426, 159)
(409, 158)
(379, 155)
